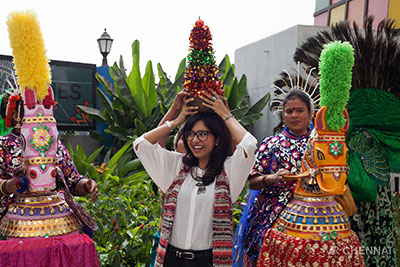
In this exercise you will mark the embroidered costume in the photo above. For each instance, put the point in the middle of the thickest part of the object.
(314, 229)
(41, 219)
(11, 159)
(283, 151)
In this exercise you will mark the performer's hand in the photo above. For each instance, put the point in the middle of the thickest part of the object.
(11, 186)
(92, 188)
(275, 177)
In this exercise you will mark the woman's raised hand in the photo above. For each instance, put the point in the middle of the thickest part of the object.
(170, 121)
(179, 101)
(218, 104)
(186, 110)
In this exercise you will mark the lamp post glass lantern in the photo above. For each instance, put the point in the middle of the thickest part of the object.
(105, 43)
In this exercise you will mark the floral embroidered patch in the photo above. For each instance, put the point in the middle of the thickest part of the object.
(336, 148)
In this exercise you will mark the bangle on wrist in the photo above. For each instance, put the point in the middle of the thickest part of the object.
(168, 123)
(264, 181)
(3, 189)
(228, 117)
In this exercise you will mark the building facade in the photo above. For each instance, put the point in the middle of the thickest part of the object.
(328, 12)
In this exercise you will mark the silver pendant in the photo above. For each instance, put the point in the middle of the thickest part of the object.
(201, 189)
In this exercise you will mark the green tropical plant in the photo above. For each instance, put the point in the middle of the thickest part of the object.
(138, 105)
(127, 207)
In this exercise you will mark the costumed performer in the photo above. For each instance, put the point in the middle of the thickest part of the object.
(295, 96)
(38, 214)
(313, 229)
(373, 138)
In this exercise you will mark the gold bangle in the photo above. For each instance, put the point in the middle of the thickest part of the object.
(3, 189)
(230, 116)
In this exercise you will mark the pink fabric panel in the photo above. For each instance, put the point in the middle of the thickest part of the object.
(63, 251)
(321, 20)
(356, 12)
(379, 9)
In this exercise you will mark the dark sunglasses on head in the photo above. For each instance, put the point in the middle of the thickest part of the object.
(202, 135)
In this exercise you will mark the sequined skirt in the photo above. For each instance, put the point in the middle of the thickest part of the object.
(279, 249)
(38, 216)
(317, 218)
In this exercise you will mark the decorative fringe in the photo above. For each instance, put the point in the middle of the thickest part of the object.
(31, 64)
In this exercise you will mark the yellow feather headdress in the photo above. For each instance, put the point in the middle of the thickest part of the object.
(30, 60)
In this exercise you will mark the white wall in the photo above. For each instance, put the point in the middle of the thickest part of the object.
(263, 61)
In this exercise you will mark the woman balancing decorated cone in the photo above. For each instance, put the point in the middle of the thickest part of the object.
(201, 75)
(200, 185)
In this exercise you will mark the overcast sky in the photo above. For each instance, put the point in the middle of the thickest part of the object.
(70, 28)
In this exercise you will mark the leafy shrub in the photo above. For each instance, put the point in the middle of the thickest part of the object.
(127, 209)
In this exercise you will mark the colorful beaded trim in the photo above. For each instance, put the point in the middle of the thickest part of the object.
(40, 119)
(314, 218)
(39, 228)
(41, 160)
(39, 199)
(330, 138)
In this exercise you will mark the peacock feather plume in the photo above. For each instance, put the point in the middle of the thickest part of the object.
(335, 68)
(379, 70)
(30, 61)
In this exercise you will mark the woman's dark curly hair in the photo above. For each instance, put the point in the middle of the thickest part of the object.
(4, 105)
(219, 130)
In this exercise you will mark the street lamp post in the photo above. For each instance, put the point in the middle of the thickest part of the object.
(105, 43)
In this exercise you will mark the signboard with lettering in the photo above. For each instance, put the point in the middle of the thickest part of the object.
(73, 84)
